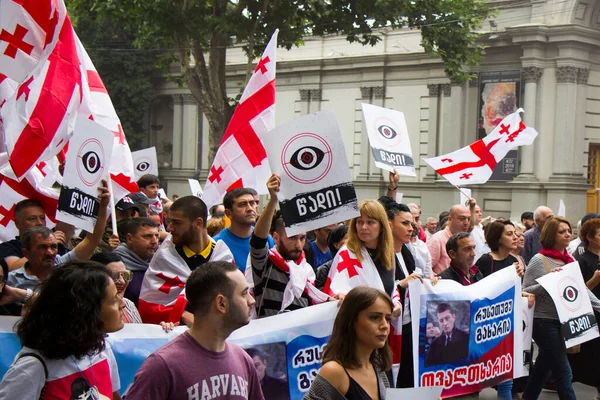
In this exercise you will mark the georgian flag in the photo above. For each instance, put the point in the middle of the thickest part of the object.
(241, 160)
(346, 273)
(162, 297)
(474, 164)
(31, 187)
(97, 106)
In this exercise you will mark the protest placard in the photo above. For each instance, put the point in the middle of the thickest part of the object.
(145, 162)
(89, 155)
(569, 293)
(195, 188)
(478, 338)
(388, 137)
(316, 184)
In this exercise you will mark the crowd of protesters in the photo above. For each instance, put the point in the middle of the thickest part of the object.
(236, 262)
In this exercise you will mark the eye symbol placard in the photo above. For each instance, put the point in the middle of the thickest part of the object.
(569, 293)
(388, 131)
(143, 166)
(306, 158)
(89, 166)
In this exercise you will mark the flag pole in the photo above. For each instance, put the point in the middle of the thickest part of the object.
(113, 216)
(464, 194)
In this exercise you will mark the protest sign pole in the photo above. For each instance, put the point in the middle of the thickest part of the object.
(113, 212)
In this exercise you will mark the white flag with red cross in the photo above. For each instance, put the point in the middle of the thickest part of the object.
(475, 164)
(241, 160)
(31, 187)
(56, 81)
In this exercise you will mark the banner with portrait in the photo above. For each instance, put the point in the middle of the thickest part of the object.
(286, 348)
(90, 152)
(388, 137)
(145, 162)
(316, 183)
(568, 291)
(467, 336)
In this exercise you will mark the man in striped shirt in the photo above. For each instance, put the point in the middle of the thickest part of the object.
(283, 280)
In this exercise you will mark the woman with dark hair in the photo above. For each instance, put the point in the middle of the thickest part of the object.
(500, 237)
(556, 236)
(589, 263)
(358, 351)
(336, 239)
(63, 337)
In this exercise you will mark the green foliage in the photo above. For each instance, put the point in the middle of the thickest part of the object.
(197, 33)
(126, 70)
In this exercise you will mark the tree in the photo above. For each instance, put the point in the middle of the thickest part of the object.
(126, 70)
(197, 33)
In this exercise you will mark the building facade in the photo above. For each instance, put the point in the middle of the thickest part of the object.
(543, 56)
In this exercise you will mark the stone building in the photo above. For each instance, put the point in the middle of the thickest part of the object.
(543, 55)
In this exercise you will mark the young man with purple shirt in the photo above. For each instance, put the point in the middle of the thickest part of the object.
(200, 363)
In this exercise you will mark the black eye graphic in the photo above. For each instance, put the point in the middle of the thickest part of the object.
(143, 166)
(387, 131)
(570, 294)
(91, 162)
(307, 157)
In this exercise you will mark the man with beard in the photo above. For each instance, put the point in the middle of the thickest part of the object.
(220, 301)
(141, 241)
(242, 210)
(162, 297)
(283, 280)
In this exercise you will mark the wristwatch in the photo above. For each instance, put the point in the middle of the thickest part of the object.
(28, 295)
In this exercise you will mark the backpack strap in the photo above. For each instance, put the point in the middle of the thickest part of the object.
(41, 360)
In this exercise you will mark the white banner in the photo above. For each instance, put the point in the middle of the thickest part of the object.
(195, 188)
(316, 184)
(90, 151)
(474, 333)
(145, 162)
(569, 293)
(388, 137)
(292, 343)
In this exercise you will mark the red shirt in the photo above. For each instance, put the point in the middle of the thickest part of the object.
(463, 278)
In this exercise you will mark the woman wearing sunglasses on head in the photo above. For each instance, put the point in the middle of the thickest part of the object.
(121, 276)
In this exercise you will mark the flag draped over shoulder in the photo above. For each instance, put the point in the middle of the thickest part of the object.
(241, 160)
(46, 81)
(474, 164)
(162, 297)
(347, 272)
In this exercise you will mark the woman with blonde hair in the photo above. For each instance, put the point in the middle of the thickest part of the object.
(368, 258)
(358, 351)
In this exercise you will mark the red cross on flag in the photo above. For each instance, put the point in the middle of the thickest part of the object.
(31, 187)
(38, 120)
(27, 28)
(474, 164)
(241, 160)
(347, 272)
(162, 296)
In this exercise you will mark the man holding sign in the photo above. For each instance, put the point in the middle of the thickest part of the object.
(283, 280)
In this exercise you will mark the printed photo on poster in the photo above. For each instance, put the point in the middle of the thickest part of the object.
(500, 95)
(270, 363)
(452, 319)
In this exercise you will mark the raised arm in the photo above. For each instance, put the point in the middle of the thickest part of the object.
(261, 230)
(85, 249)
(394, 179)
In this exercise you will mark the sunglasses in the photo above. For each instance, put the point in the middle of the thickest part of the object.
(127, 276)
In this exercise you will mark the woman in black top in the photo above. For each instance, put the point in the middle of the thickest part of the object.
(358, 350)
(501, 239)
(590, 270)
